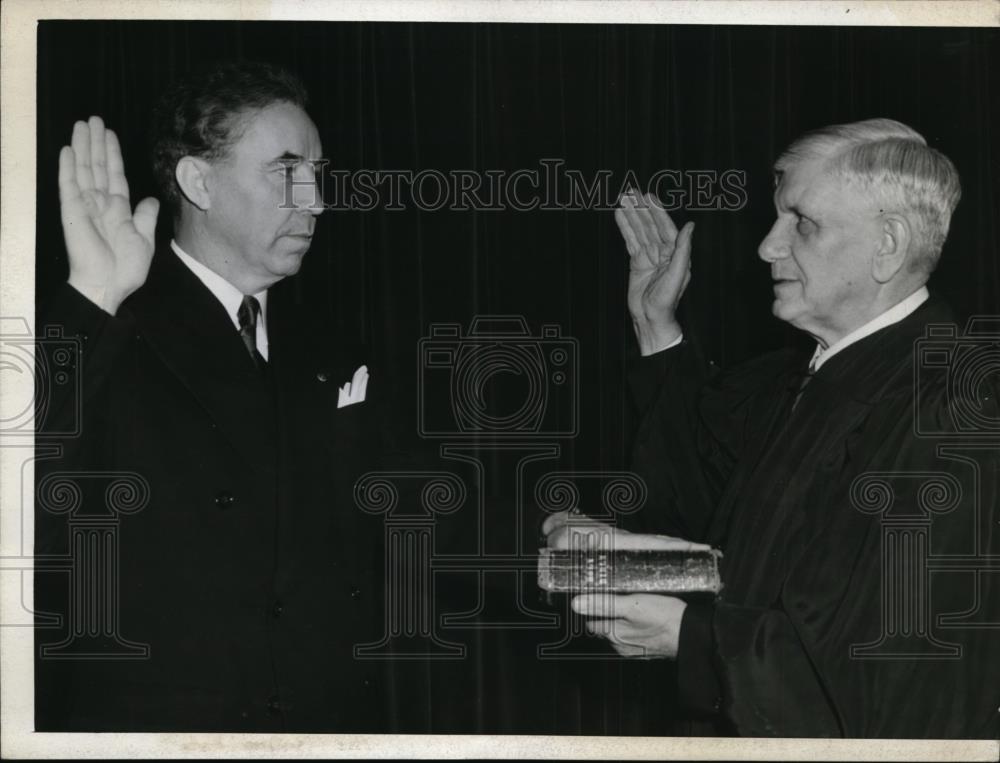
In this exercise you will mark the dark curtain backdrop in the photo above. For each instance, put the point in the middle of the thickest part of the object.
(502, 97)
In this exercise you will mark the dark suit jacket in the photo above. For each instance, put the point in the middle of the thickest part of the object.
(251, 573)
(804, 504)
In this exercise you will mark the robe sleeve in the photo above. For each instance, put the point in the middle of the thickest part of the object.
(698, 684)
(669, 453)
(693, 428)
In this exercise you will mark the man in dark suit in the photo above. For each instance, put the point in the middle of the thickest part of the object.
(834, 480)
(250, 574)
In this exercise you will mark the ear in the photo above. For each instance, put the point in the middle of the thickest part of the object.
(894, 247)
(192, 177)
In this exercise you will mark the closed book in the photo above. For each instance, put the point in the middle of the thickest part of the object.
(630, 571)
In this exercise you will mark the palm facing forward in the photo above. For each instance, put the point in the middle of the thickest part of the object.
(659, 269)
(109, 247)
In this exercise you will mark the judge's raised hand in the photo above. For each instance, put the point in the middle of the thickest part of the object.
(636, 625)
(110, 247)
(570, 530)
(659, 268)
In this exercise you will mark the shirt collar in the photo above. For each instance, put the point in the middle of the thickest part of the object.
(893, 315)
(230, 297)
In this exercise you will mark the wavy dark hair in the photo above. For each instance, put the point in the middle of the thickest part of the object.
(202, 114)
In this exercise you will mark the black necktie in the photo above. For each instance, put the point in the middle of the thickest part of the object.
(810, 372)
(247, 315)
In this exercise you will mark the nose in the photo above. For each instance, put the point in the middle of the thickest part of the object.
(316, 208)
(775, 244)
(316, 197)
(308, 192)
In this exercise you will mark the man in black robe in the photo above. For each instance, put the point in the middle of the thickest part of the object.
(853, 493)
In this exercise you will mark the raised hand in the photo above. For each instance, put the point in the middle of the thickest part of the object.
(110, 247)
(659, 269)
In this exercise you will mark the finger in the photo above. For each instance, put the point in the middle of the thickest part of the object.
(680, 265)
(81, 153)
(644, 207)
(614, 629)
(657, 252)
(644, 542)
(569, 538)
(68, 188)
(639, 610)
(621, 642)
(632, 216)
(590, 536)
(614, 606)
(600, 605)
(554, 522)
(117, 184)
(665, 226)
(580, 532)
(631, 243)
(645, 230)
(144, 218)
(627, 649)
(98, 155)
(361, 383)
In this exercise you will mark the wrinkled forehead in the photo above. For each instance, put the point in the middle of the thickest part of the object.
(795, 169)
(806, 179)
(276, 129)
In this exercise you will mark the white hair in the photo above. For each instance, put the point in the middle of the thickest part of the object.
(894, 164)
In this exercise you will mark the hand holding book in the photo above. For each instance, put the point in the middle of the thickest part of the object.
(636, 625)
(600, 563)
(567, 530)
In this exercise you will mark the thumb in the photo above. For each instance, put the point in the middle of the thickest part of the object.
(144, 218)
(682, 252)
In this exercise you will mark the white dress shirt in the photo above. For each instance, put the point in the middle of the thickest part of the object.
(893, 315)
(230, 297)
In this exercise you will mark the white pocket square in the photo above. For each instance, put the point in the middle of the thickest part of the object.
(354, 390)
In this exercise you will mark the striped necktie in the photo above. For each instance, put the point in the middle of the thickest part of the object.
(247, 315)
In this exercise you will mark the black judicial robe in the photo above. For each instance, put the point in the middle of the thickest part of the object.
(251, 573)
(835, 619)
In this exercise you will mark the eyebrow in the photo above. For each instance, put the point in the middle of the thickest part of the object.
(290, 157)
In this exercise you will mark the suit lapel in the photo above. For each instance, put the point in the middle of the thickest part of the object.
(189, 330)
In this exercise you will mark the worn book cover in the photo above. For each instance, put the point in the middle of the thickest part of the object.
(630, 571)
